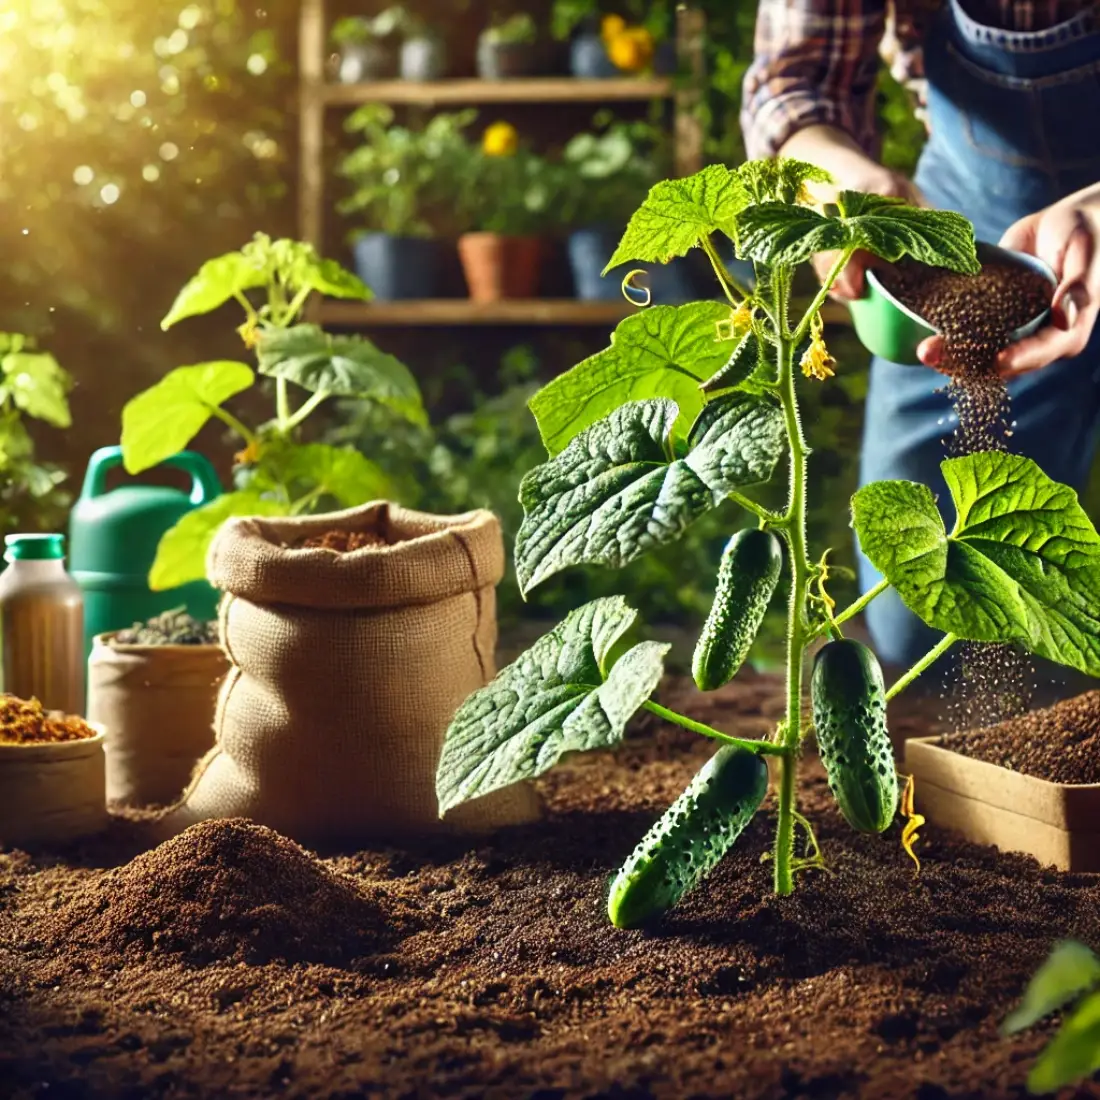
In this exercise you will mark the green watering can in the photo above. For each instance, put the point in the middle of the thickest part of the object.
(113, 539)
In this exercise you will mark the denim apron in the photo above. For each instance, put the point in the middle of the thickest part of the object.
(1015, 126)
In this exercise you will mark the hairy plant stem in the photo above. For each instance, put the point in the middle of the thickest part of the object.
(305, 409)
(762, 748)
(282, 404)
(794, 532)
(853, 609)
(770, 518)
(232, 422)
(930, 658)
(729, 284)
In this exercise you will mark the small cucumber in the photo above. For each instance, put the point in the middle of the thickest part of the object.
(747, 577)
(696, 831)
(849, 708)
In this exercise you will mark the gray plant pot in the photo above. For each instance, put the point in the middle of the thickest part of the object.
(505, 60)
(366, 61)
(423, 59)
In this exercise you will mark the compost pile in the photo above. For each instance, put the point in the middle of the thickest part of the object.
(24, 722)
(170, 628)
(976, 315)
(222, 890)
(342, 542)
(1060, 743)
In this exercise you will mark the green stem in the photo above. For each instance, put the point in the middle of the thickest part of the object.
(799, 333)
(930, 658)
(729, 283)
(306, 408)
(247, 305)
(303, 503)
(761, 748)
(794, 532)
(296, 304)
(852, 610)
(771, 518)
(229, 419)
(282, 404)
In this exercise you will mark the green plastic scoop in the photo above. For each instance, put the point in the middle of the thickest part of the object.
(892, 331)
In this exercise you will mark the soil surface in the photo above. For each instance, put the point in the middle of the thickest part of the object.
(487, 968)
(1060, 743)
(342, 542)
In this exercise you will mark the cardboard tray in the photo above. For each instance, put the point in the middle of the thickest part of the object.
(1056, 823)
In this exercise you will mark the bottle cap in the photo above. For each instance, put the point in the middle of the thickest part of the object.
(34, 547)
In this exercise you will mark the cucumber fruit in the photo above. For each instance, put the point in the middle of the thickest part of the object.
(696, 831)
(747, 578)
(849, 709)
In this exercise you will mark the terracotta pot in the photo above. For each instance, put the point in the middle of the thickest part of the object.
(157, 704)
(499, 267)
(1056, 823)
(52, 793)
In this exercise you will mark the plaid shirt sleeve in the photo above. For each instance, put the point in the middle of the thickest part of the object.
(816, 62)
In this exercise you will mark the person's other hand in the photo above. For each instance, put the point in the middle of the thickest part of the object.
(1067, 237)
(852, 170)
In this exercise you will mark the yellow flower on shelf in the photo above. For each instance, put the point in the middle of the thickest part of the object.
(500, 140)
(611, 27)
(631, 50)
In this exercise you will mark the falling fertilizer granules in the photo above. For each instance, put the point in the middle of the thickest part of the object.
(871, 981)
(222, 890)
(977, 315)
(1060, 744)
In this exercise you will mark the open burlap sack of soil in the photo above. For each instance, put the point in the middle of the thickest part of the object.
(347, 668)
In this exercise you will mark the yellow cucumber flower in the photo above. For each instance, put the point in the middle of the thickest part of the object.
(500, 140)
(816, 360)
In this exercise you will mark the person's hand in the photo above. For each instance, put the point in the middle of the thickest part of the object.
(853, 170)
(1067, 237)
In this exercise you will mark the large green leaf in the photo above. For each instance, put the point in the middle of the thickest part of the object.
(1071, 969)
(781, 179)
(665, 351)
(617, 491)
(217, 281)
(558, 697)
(343, 366)
(1022, 564)
(328, 277)
(678, 214)
(779, 234)
(38, 386)
(166, 417)
(181, 552)
(1073, 1054)
(338, 472)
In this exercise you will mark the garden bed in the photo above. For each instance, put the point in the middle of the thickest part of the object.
(489, 969)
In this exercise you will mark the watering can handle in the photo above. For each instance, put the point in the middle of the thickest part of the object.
(204, 480)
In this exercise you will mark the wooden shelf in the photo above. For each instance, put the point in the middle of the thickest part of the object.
(462, 311)
(542, 89)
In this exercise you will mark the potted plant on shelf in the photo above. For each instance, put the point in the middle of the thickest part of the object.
(603, 43)
(607, 175)
(423, 52)
(626, 473)
(506, 200)
(367, 47)
(402, 182)
(507, 48)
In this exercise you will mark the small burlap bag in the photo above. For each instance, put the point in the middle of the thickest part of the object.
(346, 670)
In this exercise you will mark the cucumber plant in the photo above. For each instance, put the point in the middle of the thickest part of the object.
(686, 410)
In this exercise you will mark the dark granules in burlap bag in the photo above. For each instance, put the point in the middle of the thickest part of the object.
(347, 668)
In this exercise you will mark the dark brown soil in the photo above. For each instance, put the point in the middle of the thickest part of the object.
(24, 722)
(342, 542)
(501, 976)
(1060, 743)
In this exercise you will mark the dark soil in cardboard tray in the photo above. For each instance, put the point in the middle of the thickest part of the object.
(229, 962)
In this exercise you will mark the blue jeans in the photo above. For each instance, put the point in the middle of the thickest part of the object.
(1012, 130)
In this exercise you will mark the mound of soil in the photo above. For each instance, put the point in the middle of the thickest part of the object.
(222, 890)
(1060, 743)
(342, 542)
(871, 981)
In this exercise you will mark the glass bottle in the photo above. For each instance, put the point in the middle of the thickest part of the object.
(41, 624)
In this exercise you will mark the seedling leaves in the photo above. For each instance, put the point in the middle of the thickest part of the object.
(339, 472)
(217, 281)
(678, 214)
(343, 366)
(616, 490)
(328, 277)
(37, 385)
(1073, 1054)
(181, 553)
(558, 697)
(665, 351)
(1071, 969)
(166, 417)
(780, 180)
(1022, 564)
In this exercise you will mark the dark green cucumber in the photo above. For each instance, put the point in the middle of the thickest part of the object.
(849, 706)
(751, 564)
(696, 831)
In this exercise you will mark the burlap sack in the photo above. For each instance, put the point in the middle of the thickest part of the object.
(156, 703)
(346, 671)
